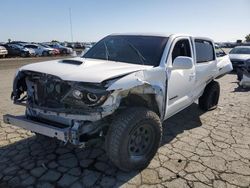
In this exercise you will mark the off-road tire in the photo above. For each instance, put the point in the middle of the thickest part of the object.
(209, 99)
(121, 134)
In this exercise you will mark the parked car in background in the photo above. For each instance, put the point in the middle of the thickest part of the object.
(239, 56)
(55, 51)
(15, 49)
(62, 49)
(79, 45)
(40, 50)
(3, 51)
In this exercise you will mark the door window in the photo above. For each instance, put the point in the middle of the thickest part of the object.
(219, 52)
(181, 48)
(204, 51)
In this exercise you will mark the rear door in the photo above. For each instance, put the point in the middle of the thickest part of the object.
(224, 64)
(206, 64)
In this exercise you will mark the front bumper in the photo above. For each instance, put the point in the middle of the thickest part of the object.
(63, 134)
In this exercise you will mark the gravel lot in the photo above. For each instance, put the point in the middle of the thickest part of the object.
(198, 149)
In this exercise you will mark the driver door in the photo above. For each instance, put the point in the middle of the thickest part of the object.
(180, 81)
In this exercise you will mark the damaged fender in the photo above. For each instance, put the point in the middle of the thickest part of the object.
(152, 81)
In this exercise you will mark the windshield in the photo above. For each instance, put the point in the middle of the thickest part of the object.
(145, 50)
(240, 51)
(20, 46)
(45, 46)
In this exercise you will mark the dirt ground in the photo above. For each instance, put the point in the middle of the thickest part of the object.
(199, 149)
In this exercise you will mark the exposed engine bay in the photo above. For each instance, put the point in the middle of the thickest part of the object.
(48, 92)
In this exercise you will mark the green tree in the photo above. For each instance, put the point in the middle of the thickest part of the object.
(248, 38)
(54, 41)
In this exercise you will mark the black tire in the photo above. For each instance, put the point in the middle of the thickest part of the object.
(23, 54)
(135, 127)
(209, 99)
(64, 52)
(45, 53)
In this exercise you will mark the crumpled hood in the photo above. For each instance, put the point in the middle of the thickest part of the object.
(241, 57)
(91, 70)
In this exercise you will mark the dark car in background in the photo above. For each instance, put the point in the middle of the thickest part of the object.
(15, 49)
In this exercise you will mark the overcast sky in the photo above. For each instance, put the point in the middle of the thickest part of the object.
(45, 20)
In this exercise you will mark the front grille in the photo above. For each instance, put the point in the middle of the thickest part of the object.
(50, 94)
(48, 90)
(237, 62)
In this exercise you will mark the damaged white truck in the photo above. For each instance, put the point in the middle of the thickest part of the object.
(121, 90)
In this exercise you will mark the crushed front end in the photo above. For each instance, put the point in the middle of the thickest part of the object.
(70, 111)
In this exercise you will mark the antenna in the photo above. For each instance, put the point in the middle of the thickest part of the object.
(70, 21)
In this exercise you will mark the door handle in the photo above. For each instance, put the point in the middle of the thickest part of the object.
(191, 76)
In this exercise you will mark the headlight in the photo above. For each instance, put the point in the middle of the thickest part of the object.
(77, 94)
(92, 97)
(86, 96)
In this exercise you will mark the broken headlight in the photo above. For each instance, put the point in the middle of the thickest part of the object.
(86, 96)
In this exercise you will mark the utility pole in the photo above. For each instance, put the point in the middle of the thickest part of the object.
(70, 21)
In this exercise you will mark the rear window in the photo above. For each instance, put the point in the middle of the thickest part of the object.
(204, 51)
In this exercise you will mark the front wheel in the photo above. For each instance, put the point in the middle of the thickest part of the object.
(133, 138)
(209, 99)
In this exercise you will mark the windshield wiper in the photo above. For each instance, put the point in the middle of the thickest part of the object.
(106, 51)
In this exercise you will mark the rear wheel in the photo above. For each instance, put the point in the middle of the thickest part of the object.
(23, 54)
(133, 138)
(64, 52)
(45, 53)
(209, 99)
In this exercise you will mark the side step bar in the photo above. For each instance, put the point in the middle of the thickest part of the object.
(62, 134)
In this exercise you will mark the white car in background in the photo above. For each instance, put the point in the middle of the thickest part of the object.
(40, 50)
(240, 56)
(3, 51)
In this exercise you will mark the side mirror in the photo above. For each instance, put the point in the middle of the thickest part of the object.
(183, 62)
(223, 54)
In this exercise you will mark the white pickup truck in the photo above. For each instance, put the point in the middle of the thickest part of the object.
(121, 90)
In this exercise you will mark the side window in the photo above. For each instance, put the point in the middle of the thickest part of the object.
(181, 48)
(219, 52)
(204, 51)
